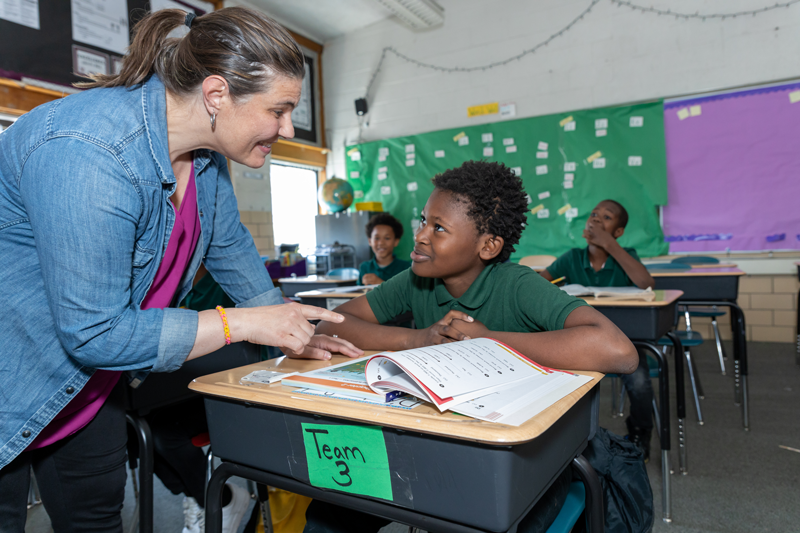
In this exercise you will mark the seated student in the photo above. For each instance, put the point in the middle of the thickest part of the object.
(459, 287)
(384, 232)
(604, 263)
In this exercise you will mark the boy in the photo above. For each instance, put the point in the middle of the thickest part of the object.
(604, 263)
(459, 287)
(384, 232)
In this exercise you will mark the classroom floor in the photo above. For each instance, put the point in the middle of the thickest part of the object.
(738, 481)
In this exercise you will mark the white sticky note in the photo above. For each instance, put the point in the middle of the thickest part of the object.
(383, 169)
(542, 145)
(695, 110)
(600, 162)
(354, 174)
(410, 162)
(569, 167)
(543, 213)
(463, 141)
(600, 133)
(543, 195)
(412, 186)
(382, 176)
(386, 190)
(409, 148)
(634, 161)
(541, 155)
(571, 213)
(569, 126)
(411, 156)
(438, 153)
(569, 184)
(508, 110)
(636, 122)
(355, 156)
(487, 137)
(517, 171)
(794, 97)
(601, 124)
(683, 113)
(358, 194)
(528, 199)
(381, 158)
(511, 149)
(383, 151)
(569, 177)
(508, 141)
(488, 151)
(541, 169)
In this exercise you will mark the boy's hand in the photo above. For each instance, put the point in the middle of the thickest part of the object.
(597, 235)
(371, 279)
(443, 331)
(473, 329)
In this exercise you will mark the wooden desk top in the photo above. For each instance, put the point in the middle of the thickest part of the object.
(662, 298)
(355, 293)
(424, 418)
(316, 279)
(697, 272)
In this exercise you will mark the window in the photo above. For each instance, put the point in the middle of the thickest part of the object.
(294, 206)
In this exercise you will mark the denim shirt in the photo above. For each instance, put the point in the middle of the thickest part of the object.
(85, 218)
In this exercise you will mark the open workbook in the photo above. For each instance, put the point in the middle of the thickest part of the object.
(617, 293)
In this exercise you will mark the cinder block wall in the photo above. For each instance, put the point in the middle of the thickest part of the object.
(259, 223)
(770, 310)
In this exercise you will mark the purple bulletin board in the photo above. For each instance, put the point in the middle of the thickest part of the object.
(733, 171)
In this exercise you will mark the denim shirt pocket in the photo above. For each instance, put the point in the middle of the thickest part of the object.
(141, 258)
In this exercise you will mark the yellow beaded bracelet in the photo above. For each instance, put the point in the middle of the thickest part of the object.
(224, 318)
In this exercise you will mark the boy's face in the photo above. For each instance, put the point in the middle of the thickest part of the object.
(383, 242)
(447, 243)
(605, 216)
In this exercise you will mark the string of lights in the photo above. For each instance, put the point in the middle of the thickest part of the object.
(701, 16)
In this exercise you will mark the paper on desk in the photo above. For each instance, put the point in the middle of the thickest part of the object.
(351, 288)
(404, 402)
(266, 376)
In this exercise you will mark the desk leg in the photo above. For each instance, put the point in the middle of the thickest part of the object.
(595, 519)
(214, 497)
(680, 397)
(145, 437)
(664, 433)
(740, 364)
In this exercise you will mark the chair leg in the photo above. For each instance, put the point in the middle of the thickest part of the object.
(720, 349)
(695, 387)
(657, 417)
(34, 498)
(688, 318)
(614, 397)
(209, 471)
(621, 411)
(263, 502)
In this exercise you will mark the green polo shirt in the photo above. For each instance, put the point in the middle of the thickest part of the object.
(385, 273)
(505, 297)
(575, 266)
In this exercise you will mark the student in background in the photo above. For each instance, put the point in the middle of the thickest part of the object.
(604, 263)
(384, 232)
(459, 286)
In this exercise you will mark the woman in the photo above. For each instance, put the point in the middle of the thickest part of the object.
(109, 201)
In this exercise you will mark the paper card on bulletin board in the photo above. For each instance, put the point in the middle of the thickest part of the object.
(550, 156)
(733, 167)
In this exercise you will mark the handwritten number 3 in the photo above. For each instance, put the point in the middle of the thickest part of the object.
(344, 472)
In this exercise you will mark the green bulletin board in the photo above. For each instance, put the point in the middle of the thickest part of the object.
(557, 158)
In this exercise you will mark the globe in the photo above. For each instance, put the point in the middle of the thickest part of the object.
(335, 194)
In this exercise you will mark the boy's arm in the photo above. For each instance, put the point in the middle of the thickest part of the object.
(546, 275)
(632, 266)
(589, 341)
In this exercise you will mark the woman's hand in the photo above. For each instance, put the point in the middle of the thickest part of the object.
(321, 346)
(442, 331)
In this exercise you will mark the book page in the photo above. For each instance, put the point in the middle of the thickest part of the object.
(574, 289)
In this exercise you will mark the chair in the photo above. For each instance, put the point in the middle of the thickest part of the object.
(344, 273)
(696, 260)
(655, 267)
(689, 339)
(573, 508)
(537, 261)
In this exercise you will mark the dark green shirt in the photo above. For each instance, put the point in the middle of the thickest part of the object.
(575, 266)
(385, 273)
(505, 297)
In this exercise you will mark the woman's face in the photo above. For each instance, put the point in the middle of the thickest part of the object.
(247, 129)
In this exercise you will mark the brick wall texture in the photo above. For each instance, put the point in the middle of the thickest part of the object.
(259, 223)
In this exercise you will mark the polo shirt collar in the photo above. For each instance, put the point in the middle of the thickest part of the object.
(476, 295)
(587, 265)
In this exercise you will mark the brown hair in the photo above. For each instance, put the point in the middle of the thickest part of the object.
(243, 46)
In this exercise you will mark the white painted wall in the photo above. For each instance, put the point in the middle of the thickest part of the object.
(612, 56)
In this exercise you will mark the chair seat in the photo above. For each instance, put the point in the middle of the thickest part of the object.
(201, 440)
(667, 266)
(696, 260)
(572, 509)
(687, 338)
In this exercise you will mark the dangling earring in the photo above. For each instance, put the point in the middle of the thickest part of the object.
(213, 121)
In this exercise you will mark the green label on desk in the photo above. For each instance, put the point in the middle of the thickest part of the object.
(348, 458)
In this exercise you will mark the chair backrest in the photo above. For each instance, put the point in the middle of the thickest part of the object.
(696, 260)
(344, 273)
(653, 267)
(543, 261)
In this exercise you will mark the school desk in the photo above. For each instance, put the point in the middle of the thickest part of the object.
(720, 287)
(291, 286)
(326, 299)
(445, 473)
(644, 323)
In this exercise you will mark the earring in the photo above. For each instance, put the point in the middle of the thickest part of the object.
(213, 121)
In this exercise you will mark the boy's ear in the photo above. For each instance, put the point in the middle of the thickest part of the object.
(492, 246)
(618, 232)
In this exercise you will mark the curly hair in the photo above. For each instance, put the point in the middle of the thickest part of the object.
(497, 201)
(385, 219)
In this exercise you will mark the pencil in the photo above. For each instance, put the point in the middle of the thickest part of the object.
(559, 279)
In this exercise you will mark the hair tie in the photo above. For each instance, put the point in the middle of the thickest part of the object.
(189, 19)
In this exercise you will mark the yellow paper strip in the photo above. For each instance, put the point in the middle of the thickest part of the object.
(593, 157)
(695, 110)
(794, 97)
(351, 150)
(537, 209)
(683, 113)
(485, 109)
(564, 209)
(459, 136)
(565, 120)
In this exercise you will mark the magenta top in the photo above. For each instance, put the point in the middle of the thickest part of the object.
(182, 242)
